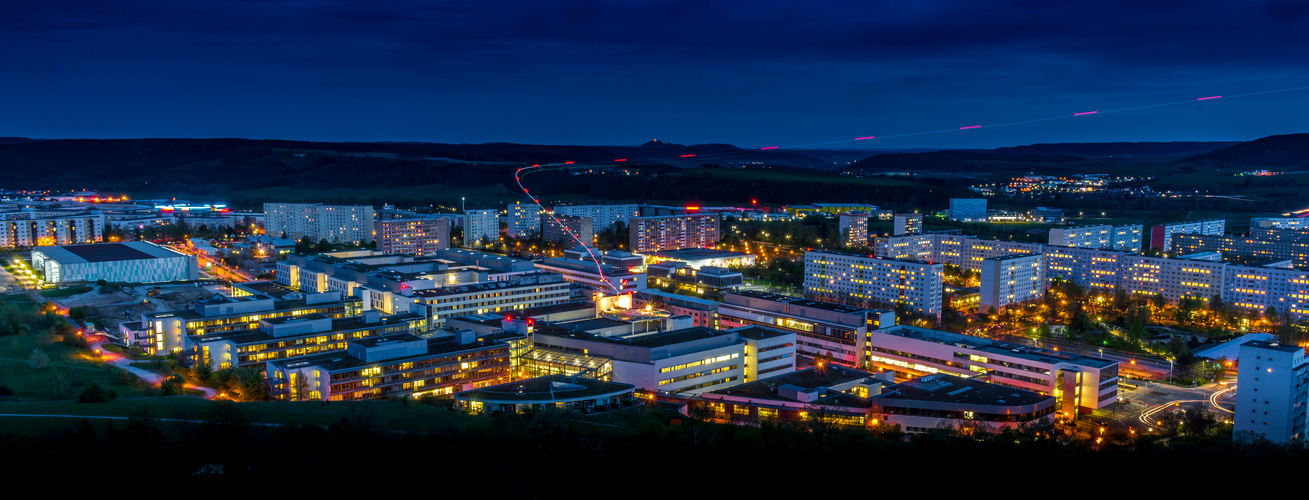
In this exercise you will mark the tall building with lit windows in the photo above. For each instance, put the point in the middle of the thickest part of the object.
(602, 216)
(1161, 236)
(1011, 279)
(1092, 268)
(854, 228)
(915, 285)
(334, 223)
(524, 220)
(907, 224)
(673, 232)
(1172, 278)
(956, 249)
(413, 236)
(33, 228)
(1125, 238)
(481, 225)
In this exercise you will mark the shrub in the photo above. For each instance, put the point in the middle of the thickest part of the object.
(93, 393)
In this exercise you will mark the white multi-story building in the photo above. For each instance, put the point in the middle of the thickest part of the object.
(524, 220)
(334, 223)
(602, 216)
(1011, 279)
(1079, 383)
(673, 232)
(1125, 238)
(481, 225)
(968, 209)
(1161, 235)
(854, 228)
(1093, 268)
(964, 251)
(519, 292)
(913, 284)
(1172, 278)
(1279, 222)
(567, 230)
(908, 224)
(29, 228)
(413, 236)
(1271, 398)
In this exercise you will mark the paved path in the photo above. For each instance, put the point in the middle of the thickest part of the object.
(125, 363)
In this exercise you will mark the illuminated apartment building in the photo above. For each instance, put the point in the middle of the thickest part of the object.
(823, 330)
(1078, 383)
(913, 284)
(1172, 278)
(907, 224)
(1011, 279)
(1092, 268)
(854, 228)
(524, 220)
(413, 236)
(481, 226)
(1253, 248)
(682, 276)
(1124, 238)
(402, 365)
(1279, 222)
(673, 232)
(33, 228)
(966, 252)
(334, 223)
(602, 216)
(1257, 288)
(570, 230)
(1161, 236)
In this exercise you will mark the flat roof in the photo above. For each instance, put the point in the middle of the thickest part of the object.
(547, 388)
(661, 339)
(827, 306)
(811, 378)
(340, 360)
(106, 252)
(940, 387)
(757, 332)
(1275, 346)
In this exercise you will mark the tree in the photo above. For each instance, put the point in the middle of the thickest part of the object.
(171, 386)
(38, 360)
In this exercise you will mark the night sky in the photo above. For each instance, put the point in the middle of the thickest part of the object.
(756, 73)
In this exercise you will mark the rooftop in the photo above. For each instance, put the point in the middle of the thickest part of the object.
(1273, 346)
(106, 252)
(548, 388)
(756, 332)
(438, 346)
(943, 388)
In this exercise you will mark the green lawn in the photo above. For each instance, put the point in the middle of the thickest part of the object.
(69, 370)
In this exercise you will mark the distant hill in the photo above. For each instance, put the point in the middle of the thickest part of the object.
(1115, 149)
(1278, 151)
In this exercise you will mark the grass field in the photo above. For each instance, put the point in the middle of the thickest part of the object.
(68, 372)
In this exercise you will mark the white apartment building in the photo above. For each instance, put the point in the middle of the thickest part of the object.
(29, 228)
(1172, 278)
(823, 330)
(906, 224)
(1161, 235)
(1125, 238)
(602, 216)
(1271, 398)
(524, 220)
(854, 228)
(966, 252)
(916, 285)
(481, 225)
(334, 223)
(1279, 222)
(413, 236)
(673, 232)
(1092, 268)
(1011, 279)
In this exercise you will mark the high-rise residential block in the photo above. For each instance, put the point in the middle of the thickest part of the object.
(413, 236)
(673, 232)
(334, 223)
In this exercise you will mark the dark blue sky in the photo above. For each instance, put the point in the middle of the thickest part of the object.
(754, 73)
